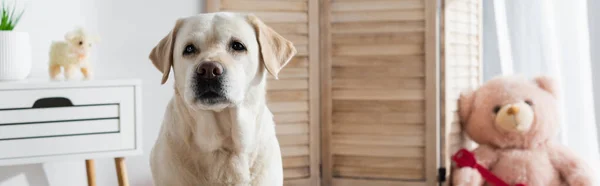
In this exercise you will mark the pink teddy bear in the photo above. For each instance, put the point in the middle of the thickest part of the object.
(515, 120)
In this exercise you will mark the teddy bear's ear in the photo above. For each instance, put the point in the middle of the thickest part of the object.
(465, 104)
(548, 84)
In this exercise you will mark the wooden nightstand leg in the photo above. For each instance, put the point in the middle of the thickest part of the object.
(121, 171)
(91, 172)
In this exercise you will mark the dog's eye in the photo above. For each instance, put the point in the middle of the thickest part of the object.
(237, 46)
(189, 49)
(529, 102)
(497, 109)
(80, 43)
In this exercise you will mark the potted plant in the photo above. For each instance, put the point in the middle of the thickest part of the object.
(15, 49)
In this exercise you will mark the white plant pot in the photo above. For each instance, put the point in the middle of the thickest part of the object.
(15, 55)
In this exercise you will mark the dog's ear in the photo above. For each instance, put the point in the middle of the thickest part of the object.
(275, 51)
(162, 54)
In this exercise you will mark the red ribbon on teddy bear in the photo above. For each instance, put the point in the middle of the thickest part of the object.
(465, 158)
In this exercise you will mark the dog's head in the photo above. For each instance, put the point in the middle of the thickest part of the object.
(218, 57)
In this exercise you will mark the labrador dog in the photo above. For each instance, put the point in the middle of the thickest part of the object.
(217, 129)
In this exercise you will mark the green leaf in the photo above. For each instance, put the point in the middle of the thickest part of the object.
(10, 15)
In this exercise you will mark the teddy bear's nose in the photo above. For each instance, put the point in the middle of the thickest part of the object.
(512, 110)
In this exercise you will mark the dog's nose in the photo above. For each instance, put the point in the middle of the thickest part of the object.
(210, 70)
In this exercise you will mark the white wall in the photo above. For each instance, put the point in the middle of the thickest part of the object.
(128, 30)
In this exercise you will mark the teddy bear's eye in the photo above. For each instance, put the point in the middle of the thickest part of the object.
(80, 42)
(497, 109)
(529, 102)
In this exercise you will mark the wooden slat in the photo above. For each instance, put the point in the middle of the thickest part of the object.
(378, 151)
(375, 50)
(379, 140)
(292, 28)
(297, 39)
(378, 94)
(287, 84)
(463, 60)
(432, 94)
(302, 50)
(374, 173)
(377, 106)
(379, 162)
(376, 61)
(463, 29)
(294, 140)
(377, 5)
(463, 83)
(464, 71)
(281, 17)
(294, 117)
(378, 129)
(261, 5)
(297, 106)
(407, 15)
(298, 182)
(325, 91)
(462, 17)
(292, 73)
(296, 62)
(378, 27)
(284, 0)
(383, 38)
(372, 182)
(287, 95)
(315, 91)
(463, 50)
(379, 117)
(462, 39)
(301, 150)
(381, 83)
(294, 162)
(213, 6)
(462, 6)
(293, 173)
(293, 128)
(379, 72)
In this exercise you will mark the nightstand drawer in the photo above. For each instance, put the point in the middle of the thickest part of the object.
(57, 129)
(64, 121)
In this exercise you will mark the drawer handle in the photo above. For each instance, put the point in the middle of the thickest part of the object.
(52, 102)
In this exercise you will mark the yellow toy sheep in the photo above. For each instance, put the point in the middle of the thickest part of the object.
(71, 54)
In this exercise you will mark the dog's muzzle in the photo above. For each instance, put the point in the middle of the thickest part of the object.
(209, 83)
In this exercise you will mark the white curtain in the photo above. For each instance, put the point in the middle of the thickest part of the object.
(548, 37)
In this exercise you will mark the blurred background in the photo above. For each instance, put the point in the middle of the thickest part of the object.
(558, 37)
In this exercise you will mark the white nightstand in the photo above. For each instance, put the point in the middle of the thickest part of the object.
(42, 120)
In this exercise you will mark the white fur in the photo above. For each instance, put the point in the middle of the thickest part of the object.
(227, 144)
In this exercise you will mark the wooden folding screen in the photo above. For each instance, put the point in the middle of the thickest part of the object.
(461, 67)
(294, 98)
